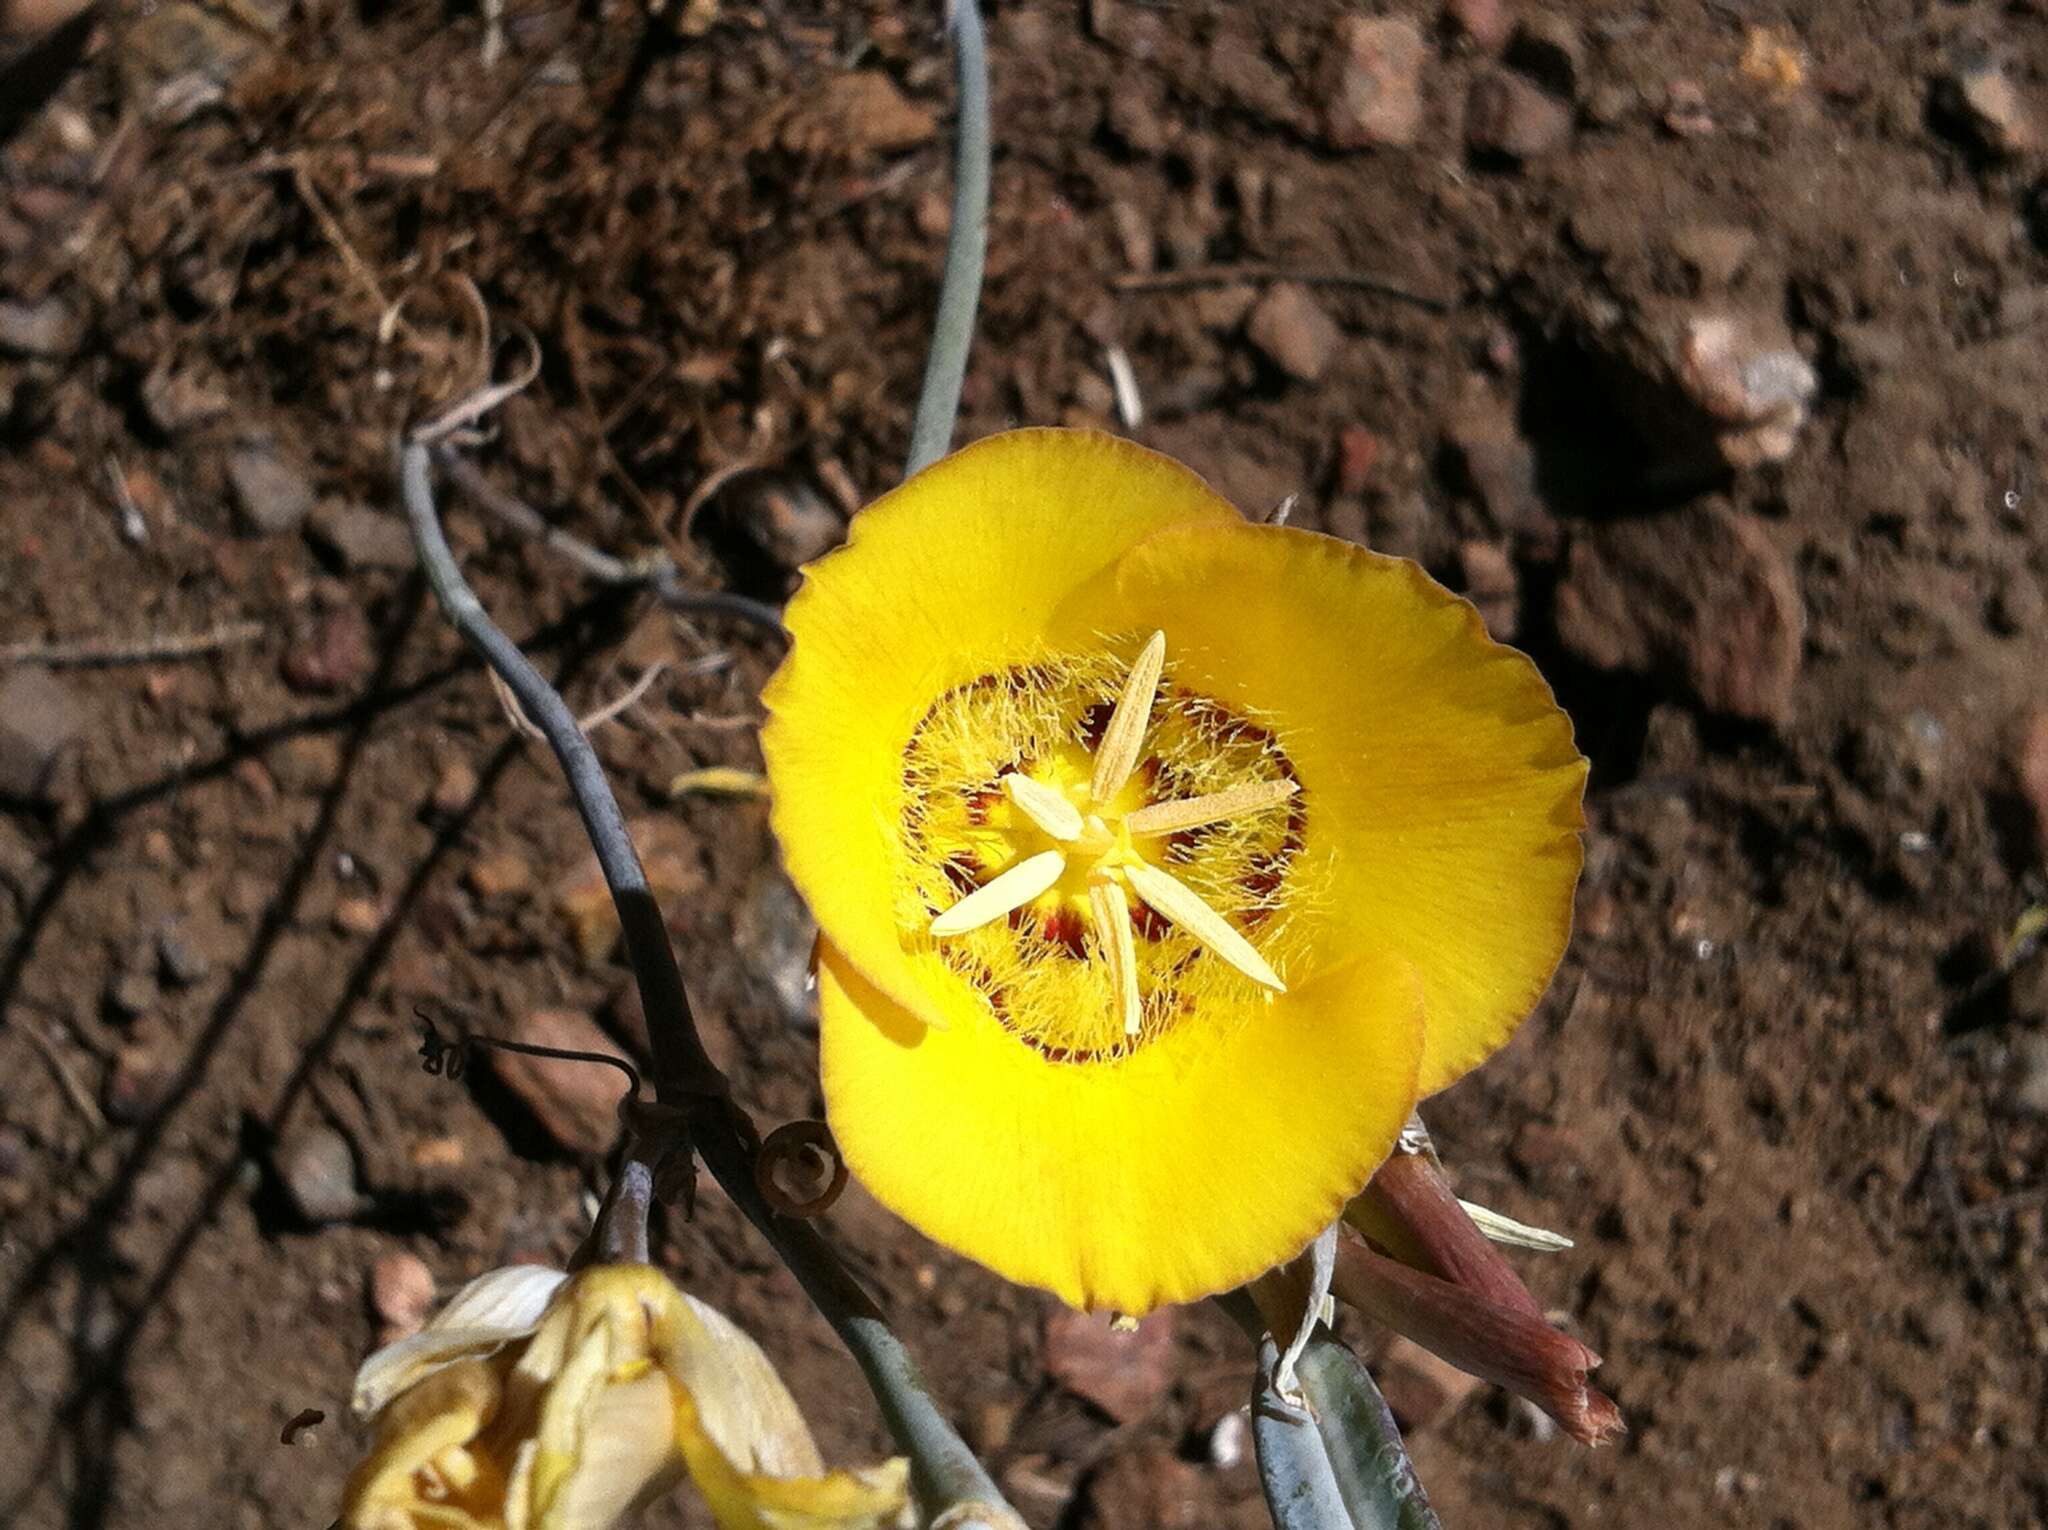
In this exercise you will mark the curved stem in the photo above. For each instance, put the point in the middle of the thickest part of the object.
(945, 368)
(946, 1472)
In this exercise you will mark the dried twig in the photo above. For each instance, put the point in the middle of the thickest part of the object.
(145, 650)
(1217, 276)
(75, 1091)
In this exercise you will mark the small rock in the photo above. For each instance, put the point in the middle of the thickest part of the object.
(773, 935)
(865, 111)
(1122, 1373)
(1358, 453)
(1229, 1440)
(360, 537)
(46, 329)
(454, 788)
(1422, 1389)
(1293, 332)
(1546, 48)
(1491, 585)
(181, 961)
(1702, 593)
(317, 1167)
(1486, 22)
(1489, 459)
(1686, 113)
(1980, 98)
(1224, 307)
(271, 495)
(1507, 118)
(992, 1426)
(177, 400)
(39, 720)
(358, 916)
(2029, 1082)
(333, 656)
(437, 1153)
(1376, 95)
(401, 1294)
(139, 1080)
(2030, 767)
(1134, 236)
(576, 1103)
(1147, 1490)
(1744, 373)
(501, 875)
(305, 762)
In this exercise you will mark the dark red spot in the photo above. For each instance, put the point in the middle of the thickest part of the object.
(962, 871)
(979, 805)
(1095, 723)
(1260, 883)
(1063, 927)
(1147, 922)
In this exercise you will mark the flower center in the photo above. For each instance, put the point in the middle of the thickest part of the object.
(1098, 851)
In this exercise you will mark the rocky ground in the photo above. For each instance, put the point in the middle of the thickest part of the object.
(1700, 344)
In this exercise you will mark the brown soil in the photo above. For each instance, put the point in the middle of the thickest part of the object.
(1801, 1168)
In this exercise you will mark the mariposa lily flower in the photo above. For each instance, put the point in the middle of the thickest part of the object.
(1161, 861)
(541, 1401)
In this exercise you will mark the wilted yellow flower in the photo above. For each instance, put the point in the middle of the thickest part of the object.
(539, 1401)
(1161, 860)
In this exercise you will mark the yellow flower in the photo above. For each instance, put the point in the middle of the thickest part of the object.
(1161, 860)
(542, 1401)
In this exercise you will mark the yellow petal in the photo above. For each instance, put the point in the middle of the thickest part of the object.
(397, 1485)
(954, 575)
(1439, 780)
(1190, 1165)
(485, 1315)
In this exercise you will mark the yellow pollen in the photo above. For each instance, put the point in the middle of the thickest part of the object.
(1097, 846)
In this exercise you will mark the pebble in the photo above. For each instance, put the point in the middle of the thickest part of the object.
(575, 1103)
(1421, 1388)
(865, 111)
(454, 788)
(1982, 99)
(500, 875)
(1358, 453)
(1293, 332)
(1686, 113)
(1702, 593)
(358, 916)
(139, 1079)
(1486, 22)
(1508, 118)
(1223, 307)
(1744, 373)
(46, 329)
(271, 495)
(305, 762)
(317, 1167)
(2029, 1073)
(1492, 585)
(39, 720)
(132, 993)
(333, 655)
(1490, 459)
(1122, 1373)
(401, 1294)
(359, 537)
(179, 399)
(1376, 99)
(181, 961)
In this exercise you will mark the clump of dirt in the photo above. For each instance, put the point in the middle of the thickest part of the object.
(1702, 349)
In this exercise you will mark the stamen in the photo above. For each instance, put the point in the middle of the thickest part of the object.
(1125, 735)
(1112, 911)
(1184, 906)
(1216, 807)
(1044, 806)
(1013, 889)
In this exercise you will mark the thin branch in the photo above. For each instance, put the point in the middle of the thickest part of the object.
(1218, 276)
(685, 1078)
(143, 650)
(657, 572)
(945, 368)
